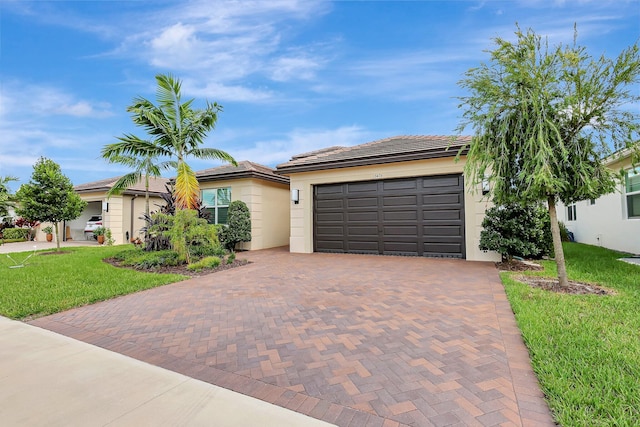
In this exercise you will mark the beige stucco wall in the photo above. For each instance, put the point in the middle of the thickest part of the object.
(268, 203)
(605, 223)
(301, 238)
(138, 209)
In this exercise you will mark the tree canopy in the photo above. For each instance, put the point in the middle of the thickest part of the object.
(176, 130)
(49, 196)
(7, 200)
(543, 119)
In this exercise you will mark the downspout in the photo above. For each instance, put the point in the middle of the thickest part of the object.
(132, 209)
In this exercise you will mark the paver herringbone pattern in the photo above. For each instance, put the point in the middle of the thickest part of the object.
(350, 339)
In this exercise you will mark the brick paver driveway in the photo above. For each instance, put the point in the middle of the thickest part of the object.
(355, 340)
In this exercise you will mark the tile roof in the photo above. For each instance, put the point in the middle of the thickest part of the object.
(388, 150)
(245, 169)
(156, 186)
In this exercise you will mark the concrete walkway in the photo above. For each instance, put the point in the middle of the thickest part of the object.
(48, 379)
(8, 248)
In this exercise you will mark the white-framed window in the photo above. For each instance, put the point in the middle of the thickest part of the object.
(571, 212)
(632, 192)
(216, 202)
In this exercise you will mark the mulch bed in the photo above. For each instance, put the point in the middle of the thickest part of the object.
(182, 269)
(516, 265)
(550, 284)
(574, 288)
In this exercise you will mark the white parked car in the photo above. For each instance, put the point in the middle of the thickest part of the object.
(93, 223)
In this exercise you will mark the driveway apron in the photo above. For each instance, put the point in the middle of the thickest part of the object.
(355, 340)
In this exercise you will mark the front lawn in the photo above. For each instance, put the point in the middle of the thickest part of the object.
(585, 349)
(50, 283)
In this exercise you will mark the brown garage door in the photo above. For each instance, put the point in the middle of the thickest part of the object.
(416, 216)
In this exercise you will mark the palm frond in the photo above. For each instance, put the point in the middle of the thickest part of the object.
(186, 188)
(212, 153)
(131, 145)
(124, 183)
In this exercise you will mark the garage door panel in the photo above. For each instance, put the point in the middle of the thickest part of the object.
(328, 230)
(409, 184)
(367, 216)
(440, 230)
(409, 200)
(400, 215)
(333, 190)
(363, 202)
(444, 215)
(333, 245)
(360, 187)
(441, 181)
(409, 216)
(433, 200)
(434, 249)
(404, 248)
(400, 230)
(363, 247)
(331, 217)
(371, 230)
(335, 204)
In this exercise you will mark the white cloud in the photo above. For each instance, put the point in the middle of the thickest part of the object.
(294, 68)
(221, 92)
(45, 100)
(220, 44)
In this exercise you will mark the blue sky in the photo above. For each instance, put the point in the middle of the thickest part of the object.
(292, 76)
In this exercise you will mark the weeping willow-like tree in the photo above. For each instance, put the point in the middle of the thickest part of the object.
(176, 131)
(543, 119)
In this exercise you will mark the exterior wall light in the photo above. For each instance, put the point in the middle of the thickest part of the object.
(486, 186)
(295, 196)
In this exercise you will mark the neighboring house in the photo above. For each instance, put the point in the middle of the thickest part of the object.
(404, 195)
(265, 193)
(613, 220)
(120, 213)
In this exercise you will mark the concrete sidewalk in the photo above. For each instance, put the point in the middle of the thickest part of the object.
(49, 379)
(8, 248)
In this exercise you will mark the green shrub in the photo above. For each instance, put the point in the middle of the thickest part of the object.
(108, 235)
(12, 240)
(127, 254)
(155, 231)
(189, 234)
(16, 234)
(238, 227)
(517, 230)
(148, 260)
(231, 258)
(206, 262)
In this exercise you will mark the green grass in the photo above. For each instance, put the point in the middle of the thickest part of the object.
(585, 350)
(57, 282)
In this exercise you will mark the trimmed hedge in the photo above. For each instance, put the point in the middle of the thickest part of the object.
(15, 233)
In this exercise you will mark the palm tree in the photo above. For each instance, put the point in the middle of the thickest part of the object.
(142, 167)
(7, 200)
(177, 130)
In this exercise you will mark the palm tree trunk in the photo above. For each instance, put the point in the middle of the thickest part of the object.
(557, 244)
(146, 194)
